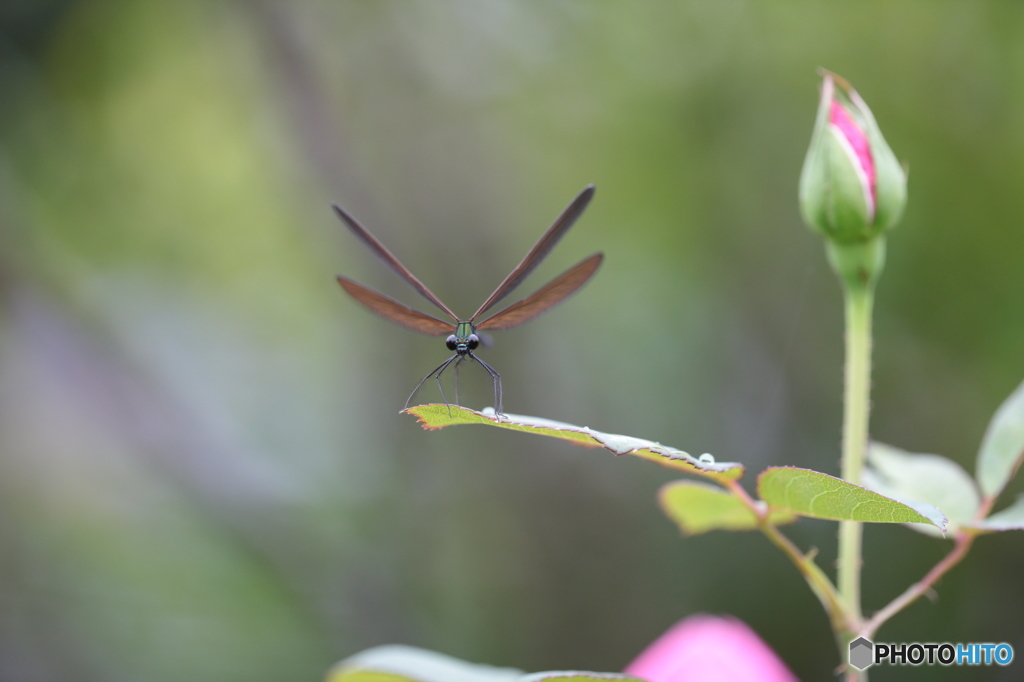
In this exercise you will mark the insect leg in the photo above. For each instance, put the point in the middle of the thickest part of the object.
(496, 378)
(457, 363)
(435, 372)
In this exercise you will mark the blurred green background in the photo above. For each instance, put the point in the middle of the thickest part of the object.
(203, 472)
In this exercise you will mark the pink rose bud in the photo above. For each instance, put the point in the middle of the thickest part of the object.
(709, 649)
(852, 188)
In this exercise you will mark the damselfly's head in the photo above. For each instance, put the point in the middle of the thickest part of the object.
(462, 344)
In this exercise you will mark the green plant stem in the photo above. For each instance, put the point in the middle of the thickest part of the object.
(856, 406)
(819, 583)
(816, 579)
(858, 266)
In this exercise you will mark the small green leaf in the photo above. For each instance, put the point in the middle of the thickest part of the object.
(933, 479)
(1003, 445)
(810, 493)
(698, 508)
(1011, 518)
(397, 663)
(437, 417)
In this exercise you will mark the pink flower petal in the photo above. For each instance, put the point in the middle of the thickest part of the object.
(709, 649)
(841, 119)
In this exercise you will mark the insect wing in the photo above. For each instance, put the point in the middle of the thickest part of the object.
(392, 310)
(389, 258)
(542, 248)
(553, 293)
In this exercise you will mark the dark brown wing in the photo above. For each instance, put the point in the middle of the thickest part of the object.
(393, 310)
(556, 291)
(541, 249)
(392, 262)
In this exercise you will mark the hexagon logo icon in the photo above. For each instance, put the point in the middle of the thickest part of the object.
(861, 651)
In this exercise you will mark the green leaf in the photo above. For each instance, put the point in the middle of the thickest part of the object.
(698, 508)
(1003, 445)
(438, 416)
(817, 495)
(927, 478)
(1011, 518)
(397, 663)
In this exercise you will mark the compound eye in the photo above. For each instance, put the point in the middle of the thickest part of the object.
(451, 342)
(473, 341)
